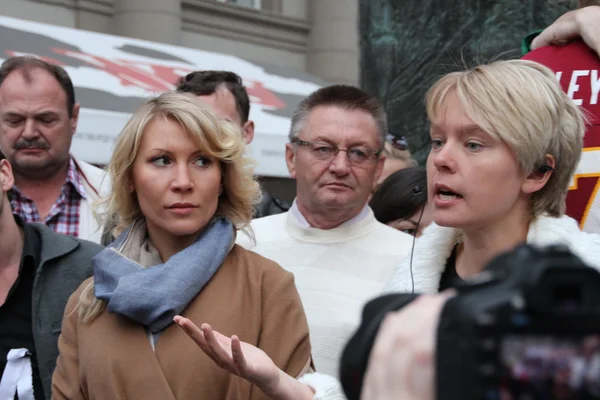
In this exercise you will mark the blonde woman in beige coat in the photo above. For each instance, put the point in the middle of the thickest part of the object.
(181, 189)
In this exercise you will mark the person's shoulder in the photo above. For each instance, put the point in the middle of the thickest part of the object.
(55, 244)
(268, 223)
(88, 247)
(546, 230)
(257, 267)
(261, 229)
(386, 235)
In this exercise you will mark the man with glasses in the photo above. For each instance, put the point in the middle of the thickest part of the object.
(340, 255)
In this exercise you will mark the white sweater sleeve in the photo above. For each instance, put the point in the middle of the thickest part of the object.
(326, 387)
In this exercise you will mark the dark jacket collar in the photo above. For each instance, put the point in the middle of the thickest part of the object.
(53, 245)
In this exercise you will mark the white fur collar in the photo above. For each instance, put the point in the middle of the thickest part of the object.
(435, 246)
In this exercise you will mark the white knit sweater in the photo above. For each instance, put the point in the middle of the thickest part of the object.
(336, 272)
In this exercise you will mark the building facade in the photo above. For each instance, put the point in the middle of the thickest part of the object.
(315, 36)
(319, 37)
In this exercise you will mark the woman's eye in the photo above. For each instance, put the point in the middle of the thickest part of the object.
(474, 146)
(436, 143)
(202, 161)
(161, 161)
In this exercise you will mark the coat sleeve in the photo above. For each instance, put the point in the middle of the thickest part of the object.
(65, 381)
(284, 332)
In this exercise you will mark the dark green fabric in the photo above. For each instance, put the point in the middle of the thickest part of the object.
(526, 43)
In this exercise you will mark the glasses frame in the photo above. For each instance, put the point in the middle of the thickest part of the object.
(372, 154)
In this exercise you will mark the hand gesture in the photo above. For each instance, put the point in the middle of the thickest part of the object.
(231, 354)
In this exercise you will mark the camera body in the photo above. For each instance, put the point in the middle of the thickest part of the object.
(526, 327)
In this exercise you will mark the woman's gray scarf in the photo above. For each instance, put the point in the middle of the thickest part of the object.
(131, 278)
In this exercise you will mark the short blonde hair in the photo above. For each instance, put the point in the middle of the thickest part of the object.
(522, 104)
(218, 139)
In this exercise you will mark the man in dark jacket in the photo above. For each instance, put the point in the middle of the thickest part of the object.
(39, 270)
(225, 93)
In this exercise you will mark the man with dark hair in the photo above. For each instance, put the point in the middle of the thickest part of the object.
(38, 118)
(340, 255)
(39, 270)
(225, 93)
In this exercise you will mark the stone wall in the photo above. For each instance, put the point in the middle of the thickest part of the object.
(407, 44)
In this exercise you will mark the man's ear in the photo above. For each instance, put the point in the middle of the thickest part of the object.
(537, 179)
(290, 159)
(75, 118)
(7, 179)
(248, 131)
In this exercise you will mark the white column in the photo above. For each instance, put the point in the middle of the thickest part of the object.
(333, 52)
(155, 20)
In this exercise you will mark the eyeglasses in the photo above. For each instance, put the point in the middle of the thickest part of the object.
(327, 152)
(397, 142)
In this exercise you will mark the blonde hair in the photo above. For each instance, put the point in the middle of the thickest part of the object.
(522, 104)
(218, 139)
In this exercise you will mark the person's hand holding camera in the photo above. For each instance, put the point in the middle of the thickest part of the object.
(402, 363)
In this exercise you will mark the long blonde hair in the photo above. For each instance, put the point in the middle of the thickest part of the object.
(218, 139)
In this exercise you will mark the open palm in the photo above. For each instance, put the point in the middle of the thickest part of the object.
(239, 358)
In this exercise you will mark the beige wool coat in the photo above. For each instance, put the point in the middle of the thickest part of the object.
(111, 358)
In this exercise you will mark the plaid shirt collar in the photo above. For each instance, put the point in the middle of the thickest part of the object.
(63, 217)
(75, 179)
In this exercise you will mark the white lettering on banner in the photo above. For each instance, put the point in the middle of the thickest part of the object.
(589, 167)
(17, 377)
(574, 87)
(595, 86)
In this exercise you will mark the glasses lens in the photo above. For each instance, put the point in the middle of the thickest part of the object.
(322, 151)
(358, 156)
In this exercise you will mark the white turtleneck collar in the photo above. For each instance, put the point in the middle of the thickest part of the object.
(295, 211)
(299, 228)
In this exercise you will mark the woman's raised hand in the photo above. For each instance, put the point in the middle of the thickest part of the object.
(246, 361)
(231, 354)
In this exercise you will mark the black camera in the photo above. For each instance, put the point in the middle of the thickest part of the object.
(527, 327)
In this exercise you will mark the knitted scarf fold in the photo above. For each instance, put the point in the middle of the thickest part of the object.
(130, 276)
